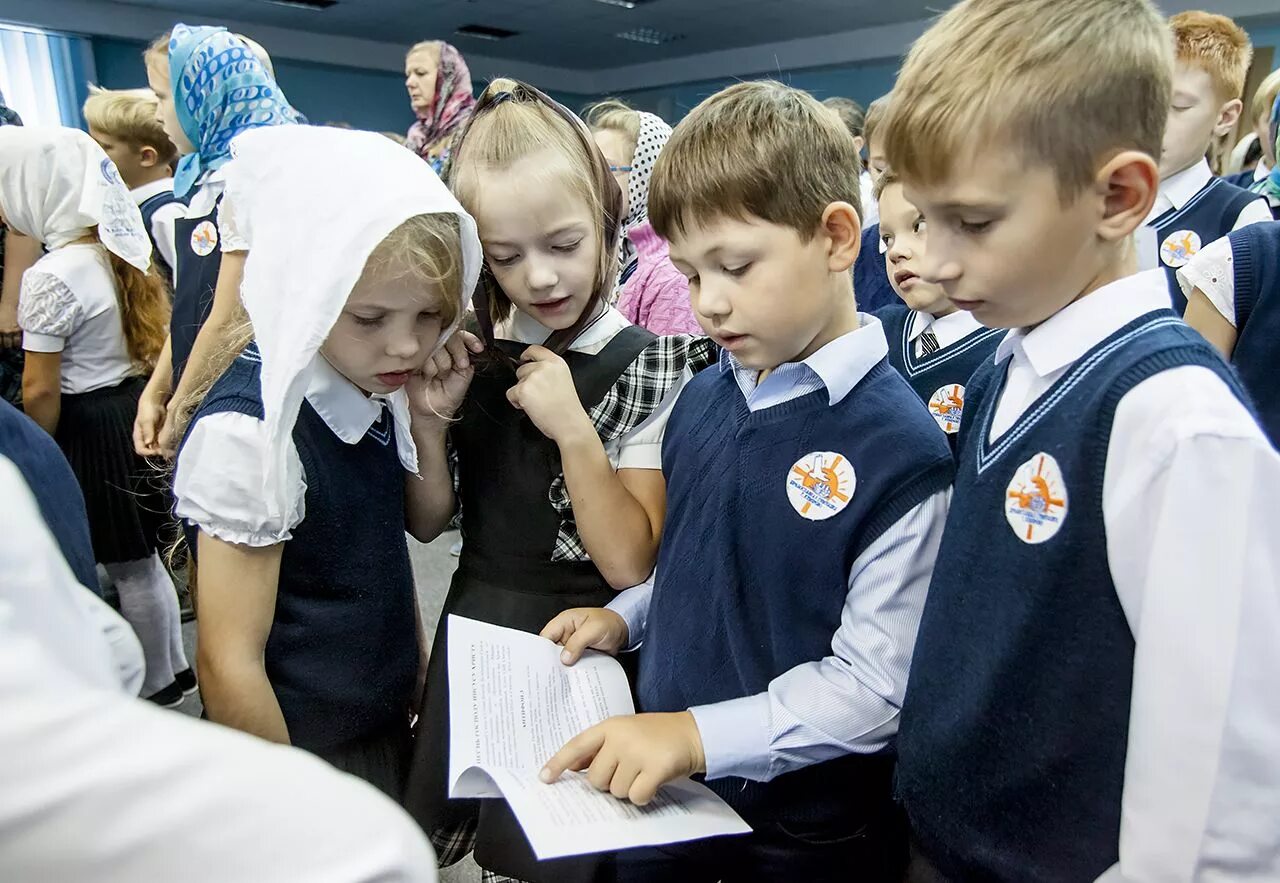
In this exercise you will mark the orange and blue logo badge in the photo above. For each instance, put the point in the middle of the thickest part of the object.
(1179, 248)
(1036, 501)
(946, 406)
(820, 485)
(204, 238)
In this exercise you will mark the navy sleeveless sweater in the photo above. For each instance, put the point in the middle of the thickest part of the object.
(750, 582)
(939, 379)
(1013, 738)
(342, 655)
(1256, 253)
(871, 286)
(1207, 216)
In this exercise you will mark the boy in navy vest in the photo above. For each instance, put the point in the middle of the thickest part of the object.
(1193, 208)
(870, 281)
(124, 123)
(932, 343)
(806, 486)
(1093, 688)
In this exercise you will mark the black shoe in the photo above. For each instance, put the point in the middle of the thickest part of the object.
(170, 697)
(186, 681)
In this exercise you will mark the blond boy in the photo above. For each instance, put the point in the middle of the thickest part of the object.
(124, 123)
(1193, 208)
(1093, 689)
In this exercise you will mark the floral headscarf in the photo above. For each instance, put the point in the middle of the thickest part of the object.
(451, 107)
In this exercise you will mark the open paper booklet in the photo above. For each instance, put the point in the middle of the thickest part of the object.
(513, 704)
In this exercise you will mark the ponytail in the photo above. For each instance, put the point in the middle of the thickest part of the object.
(144, 309)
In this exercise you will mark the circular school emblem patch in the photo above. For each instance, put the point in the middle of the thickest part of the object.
(945, 405)
(1036, 501)
(1179, 247)
(204, 238)
(820, 485)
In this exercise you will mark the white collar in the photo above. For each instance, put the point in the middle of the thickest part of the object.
(841, 364)
(155, 188)
(349, 413)
(1260, 172)
(207, 190)
(1178, 188)
(523, 328)
(954, 326)
(1064, 337)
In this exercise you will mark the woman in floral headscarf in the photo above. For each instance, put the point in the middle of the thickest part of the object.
(439, 87)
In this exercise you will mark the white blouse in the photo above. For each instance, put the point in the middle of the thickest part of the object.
(1213, 271)
(217, 483)
(68, 304)
(641, 448)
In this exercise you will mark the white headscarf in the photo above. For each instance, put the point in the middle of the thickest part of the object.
(312, 203)
(654, 135)
(56, 184)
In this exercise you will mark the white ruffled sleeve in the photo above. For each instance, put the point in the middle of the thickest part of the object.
(217, 483)
(230, 237)
(1213, 271)
(48, 312)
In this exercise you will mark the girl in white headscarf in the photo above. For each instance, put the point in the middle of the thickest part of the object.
(93, 316)
(300, 470)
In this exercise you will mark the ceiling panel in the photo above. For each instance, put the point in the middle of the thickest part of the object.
(570, 33)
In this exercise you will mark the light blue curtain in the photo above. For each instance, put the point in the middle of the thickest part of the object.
(44, 76)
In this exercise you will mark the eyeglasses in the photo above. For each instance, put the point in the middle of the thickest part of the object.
(619, 168)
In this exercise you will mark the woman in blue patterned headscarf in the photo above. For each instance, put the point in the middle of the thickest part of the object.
(218, 88)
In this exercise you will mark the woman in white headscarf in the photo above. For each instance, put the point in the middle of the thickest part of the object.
(93, 316)
(308, 459)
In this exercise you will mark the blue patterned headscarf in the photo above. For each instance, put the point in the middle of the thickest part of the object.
(220, 89)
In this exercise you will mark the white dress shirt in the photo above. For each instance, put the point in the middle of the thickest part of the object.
(67, 304)
(98, 785)
(1190, 501)
(948, 329)
(163, 218)
(847, 702)
(867, 194)
(1175, 192)
(217, 483)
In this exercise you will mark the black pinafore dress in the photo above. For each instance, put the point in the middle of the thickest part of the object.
(506, 577)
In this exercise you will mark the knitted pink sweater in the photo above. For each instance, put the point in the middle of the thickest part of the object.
(657, 294)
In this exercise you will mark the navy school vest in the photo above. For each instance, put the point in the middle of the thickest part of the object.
(1256, 257)
(199, 257)
(1013, 737)
(1206, 217)
(939, 379)
(148, 208)
(342, 655)
(871, 287)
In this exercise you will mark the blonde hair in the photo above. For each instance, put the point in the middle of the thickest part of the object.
(757, 149)
(875, 116)
(1216, 45)
(883, 182)
(130, 116)
(1066, 82)
(513, 120)
(1264, 98)
(613, 115)
(425, 46)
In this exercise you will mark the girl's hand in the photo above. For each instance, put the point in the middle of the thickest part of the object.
(147, 425)
(438, 390)
(544, 390)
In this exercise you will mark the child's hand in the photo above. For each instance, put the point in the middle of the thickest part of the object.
(437, 391)
(632, 757)
(587, 628)
(147, 425)
(545, 391)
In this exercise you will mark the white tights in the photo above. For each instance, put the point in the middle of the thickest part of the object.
(149, 602)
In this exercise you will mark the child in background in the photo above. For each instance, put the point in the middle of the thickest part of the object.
(854, 119)
(310, 456)
(932, 343)
(1264, 98)
(558, 443)
(1193, 208)
(201, 76)
(93, 322)
(1232, 288)
(126, 126)
(870, 281)
(651, 292)
(1108, 473)
(807, 493)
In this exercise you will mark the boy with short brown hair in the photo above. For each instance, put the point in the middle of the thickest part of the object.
(1092, 693)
